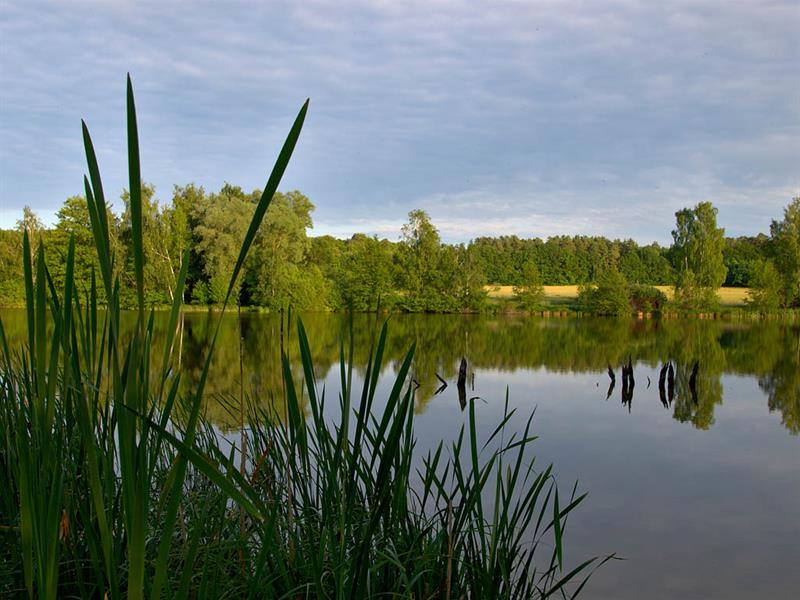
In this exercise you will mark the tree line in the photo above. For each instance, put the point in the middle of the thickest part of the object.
(417, 273)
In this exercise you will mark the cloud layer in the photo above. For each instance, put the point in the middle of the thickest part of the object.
(533, 118)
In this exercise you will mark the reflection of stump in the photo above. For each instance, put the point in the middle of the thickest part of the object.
(630, 374)
(628, 384)
(671, 383)
(442, 387)
(693, 381)
(662, 377)
(611, 373)
(610, 389)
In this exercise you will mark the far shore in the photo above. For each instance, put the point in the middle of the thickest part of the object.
(567, 294)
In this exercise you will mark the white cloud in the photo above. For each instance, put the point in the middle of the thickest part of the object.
(611, 105)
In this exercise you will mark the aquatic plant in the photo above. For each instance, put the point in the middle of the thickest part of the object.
(115, 485)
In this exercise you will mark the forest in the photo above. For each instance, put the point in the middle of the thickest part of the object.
(416, 273)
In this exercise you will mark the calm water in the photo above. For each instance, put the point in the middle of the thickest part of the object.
(700, 491)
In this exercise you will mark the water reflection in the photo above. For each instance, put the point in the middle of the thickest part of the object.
(691, 354)
(662, 392)
(628, 384)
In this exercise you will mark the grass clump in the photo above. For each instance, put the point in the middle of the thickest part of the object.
(115, 486)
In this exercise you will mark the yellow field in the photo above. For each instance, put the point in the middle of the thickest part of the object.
(553, 294)
(727, 296)
(563, 294)
(732, 296)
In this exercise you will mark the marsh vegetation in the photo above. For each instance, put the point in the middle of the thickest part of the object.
(115, 484)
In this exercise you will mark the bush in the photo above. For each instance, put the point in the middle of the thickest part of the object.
(766, 286)
(530, 293)
(691, 297)
(609, 296)
(646, 298)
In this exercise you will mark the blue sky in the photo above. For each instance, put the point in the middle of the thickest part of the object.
(533, 118)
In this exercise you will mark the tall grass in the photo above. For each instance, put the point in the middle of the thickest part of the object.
(114, 485)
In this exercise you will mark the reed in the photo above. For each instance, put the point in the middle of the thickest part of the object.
(114, 485)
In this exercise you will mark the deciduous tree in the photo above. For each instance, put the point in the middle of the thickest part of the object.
(531, 292)
(786, 244)
(697, 249)
(222, 222)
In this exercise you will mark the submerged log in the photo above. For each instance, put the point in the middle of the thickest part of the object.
(462, 372)
(462, 397)
(462, 383)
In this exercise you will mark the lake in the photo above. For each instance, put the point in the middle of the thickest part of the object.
(697, 487)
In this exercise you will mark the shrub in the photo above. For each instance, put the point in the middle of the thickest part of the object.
(530, 293)
(691, 297)
(609, 296)
(647, 298)
(766, 288)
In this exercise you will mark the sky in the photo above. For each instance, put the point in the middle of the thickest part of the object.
(533, 118)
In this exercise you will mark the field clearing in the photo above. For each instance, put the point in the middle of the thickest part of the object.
(564, 294)
(732, 296)
(553, 294)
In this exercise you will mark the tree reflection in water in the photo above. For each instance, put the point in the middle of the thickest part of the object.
(768, 350)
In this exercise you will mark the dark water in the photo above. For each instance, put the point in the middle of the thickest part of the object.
(698, 489)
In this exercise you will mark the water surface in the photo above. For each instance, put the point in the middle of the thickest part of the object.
(699, 489)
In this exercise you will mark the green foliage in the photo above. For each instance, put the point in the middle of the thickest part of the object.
(418, 274)
(691, 297)
(280, 275)
(364, 275)
(765, 294)
(326, 251)
(165, 238)
(74, 221)
(12, 287)
(698, 245)
(697, 255)
(222, 221)
(114, 485)
(741, 256)
(184, 219)
(646, 298)
(564, 260)
(610, 295)
(468, 278)
(786, 244)
(423, 281)
(530, 293)
(31, 224)
(645, 265)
